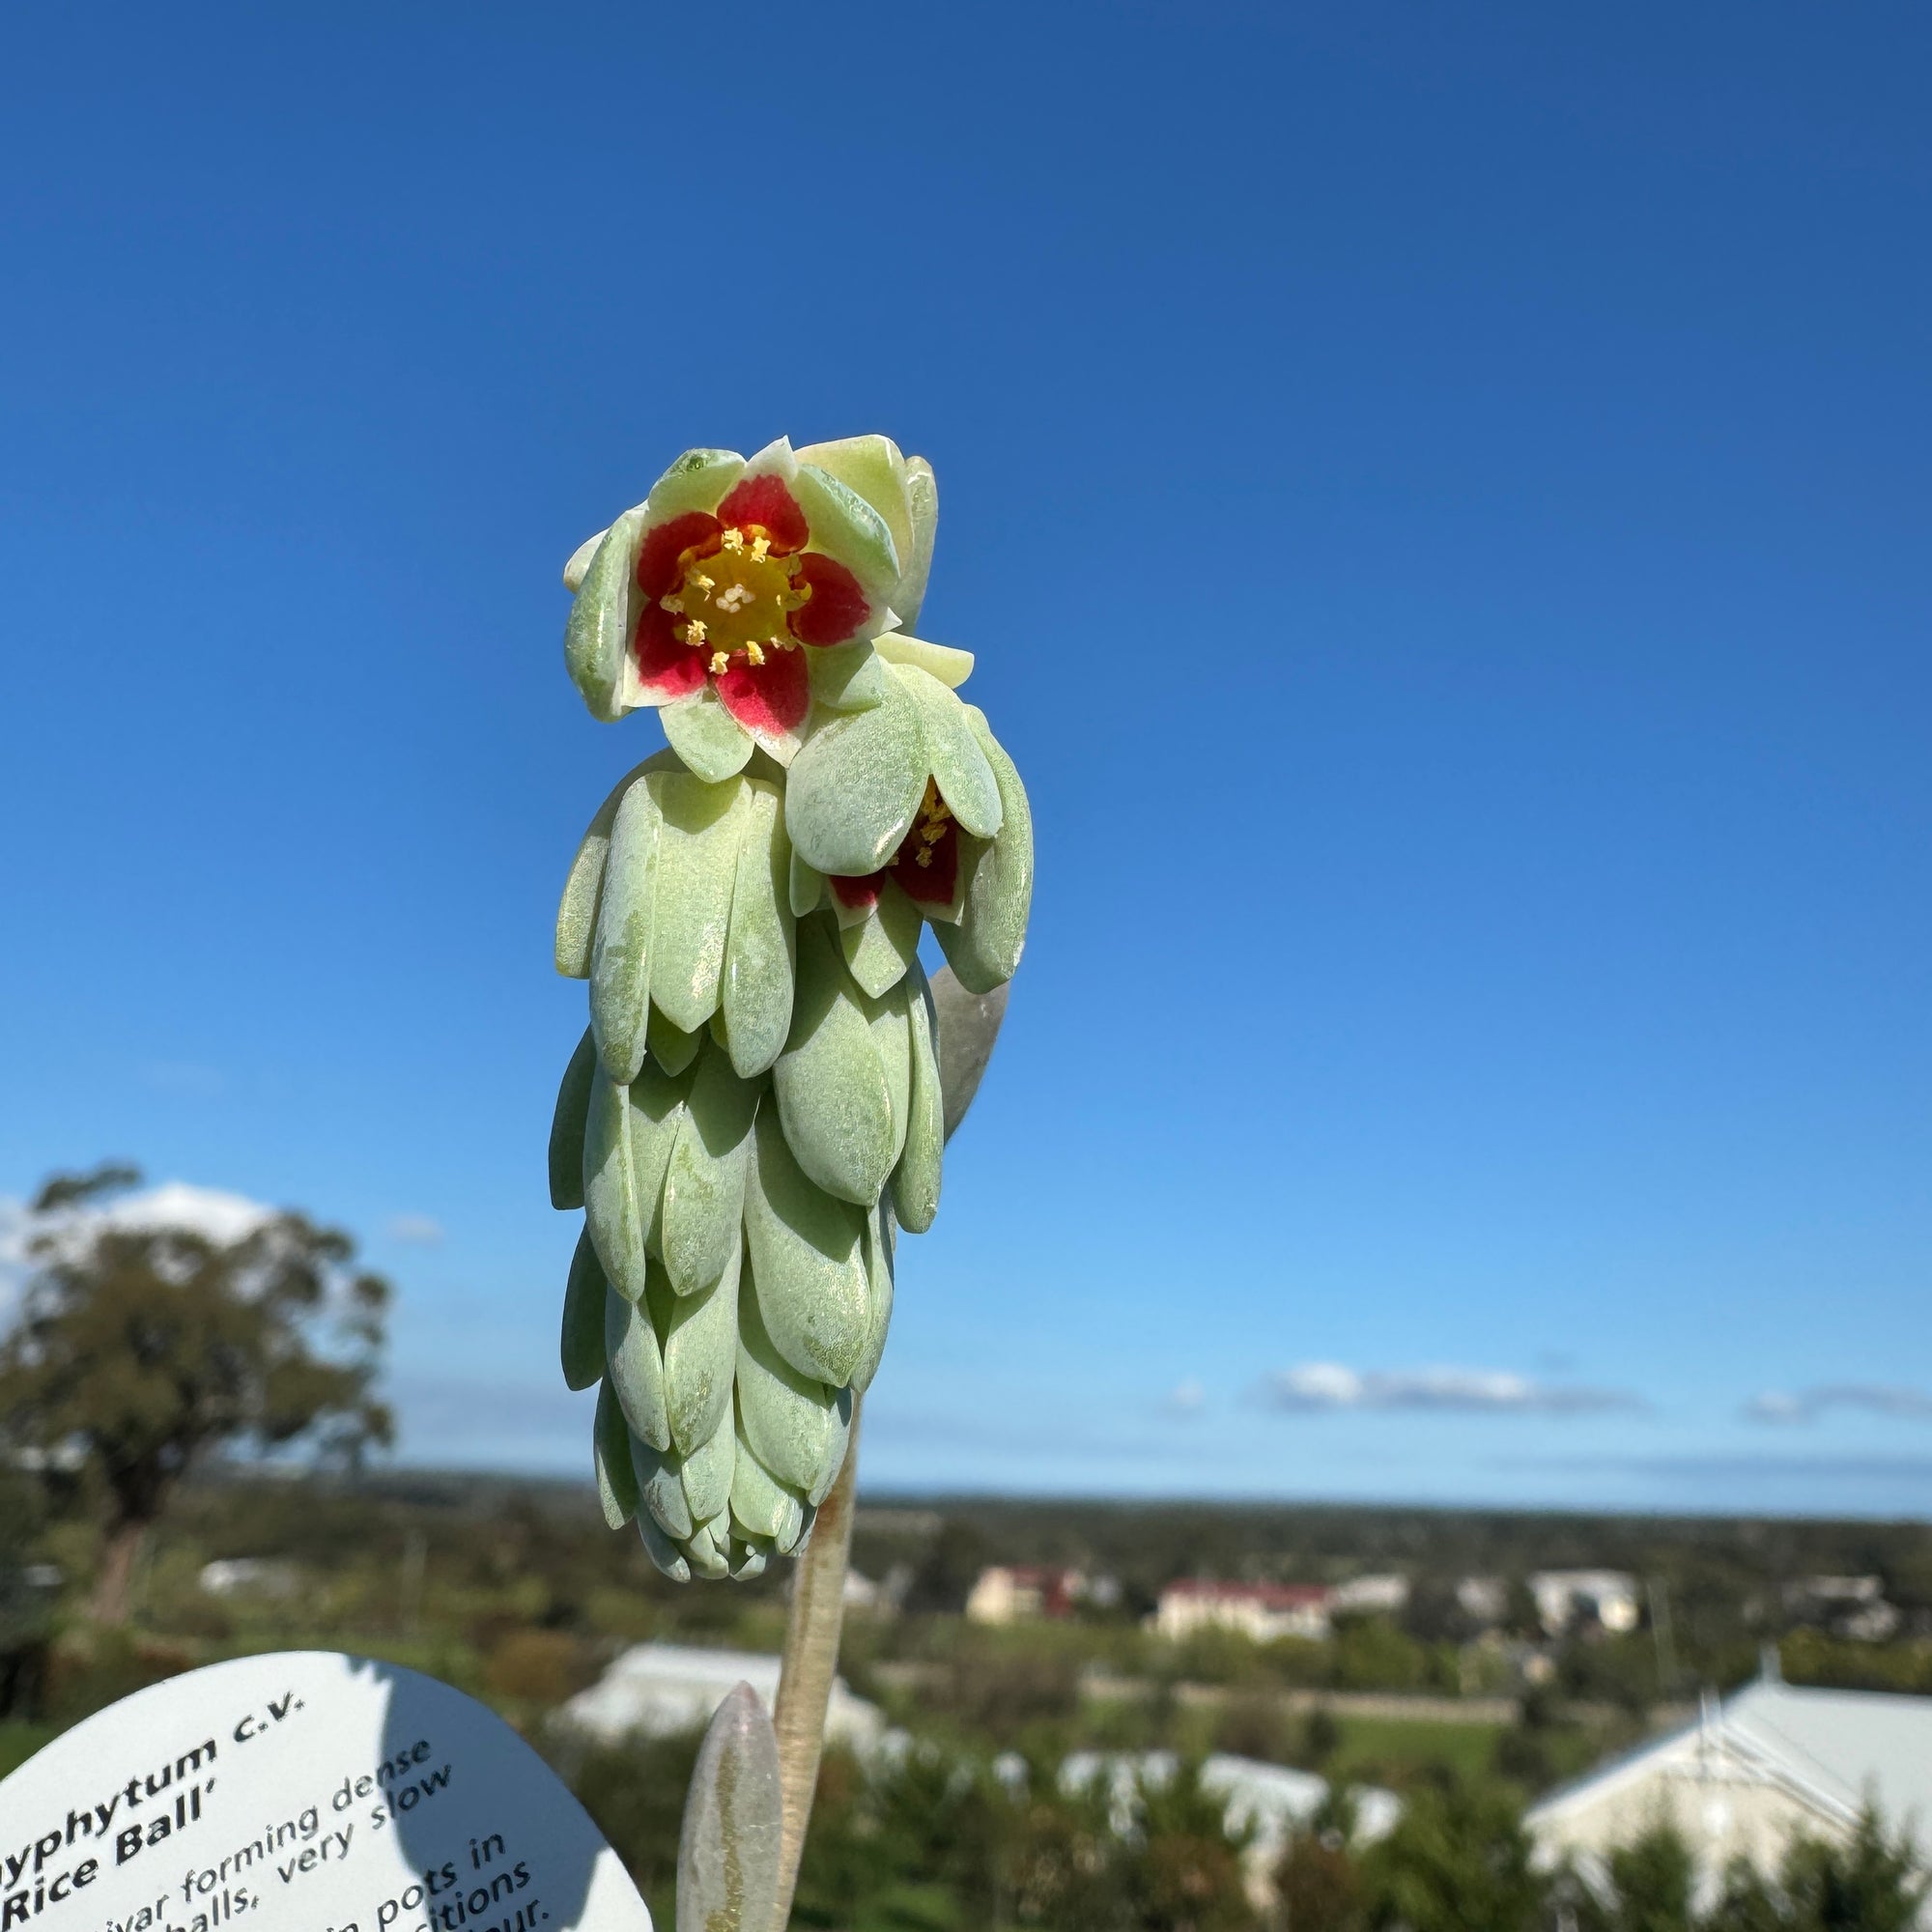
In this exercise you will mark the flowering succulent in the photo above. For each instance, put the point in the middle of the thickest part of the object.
(741, 591)
(754, 1111)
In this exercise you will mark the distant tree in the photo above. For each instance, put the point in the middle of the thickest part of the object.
(1435, 1615)
(1872, 1884)
(1373, 1654)
(145, 1347)
(1647, 1886)
(1182, 1865)
(1520, 1617)
(949, 1569)
(1748, 1902)
(1321, 1738)
(1869, 1883)
(1522, 1754)
(1255, 1726)
(1001, 1691)
(1459, 1860)
(1317, 1886)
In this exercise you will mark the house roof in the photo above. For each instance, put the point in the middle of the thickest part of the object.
(1837, 1749)
(660, 1690)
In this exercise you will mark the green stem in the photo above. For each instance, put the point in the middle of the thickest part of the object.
(810, 1661)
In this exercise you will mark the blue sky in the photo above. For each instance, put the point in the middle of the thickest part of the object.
(1440, 497)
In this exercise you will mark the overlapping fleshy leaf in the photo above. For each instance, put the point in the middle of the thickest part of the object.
(678, 911)
(974, 890)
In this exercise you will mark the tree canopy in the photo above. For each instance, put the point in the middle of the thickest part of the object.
(144, 1346)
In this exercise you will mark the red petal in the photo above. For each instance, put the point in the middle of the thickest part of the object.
(661, 548)
(667, 668)
(929, 883)
(838, 606)
(772, 696)
(858, 892)
(765, 500)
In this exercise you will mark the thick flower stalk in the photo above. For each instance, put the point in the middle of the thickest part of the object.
(754, 1111)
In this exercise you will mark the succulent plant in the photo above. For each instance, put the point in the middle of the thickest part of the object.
(757, 1107)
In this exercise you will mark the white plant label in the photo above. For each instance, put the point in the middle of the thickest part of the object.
(301, 1792)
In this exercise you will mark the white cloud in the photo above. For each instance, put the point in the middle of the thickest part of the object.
(210, 1212)
(1312, 1388)
(423, 1231)
(1782, 1407)
(1186, 1398)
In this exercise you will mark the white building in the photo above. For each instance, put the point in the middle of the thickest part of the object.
(1360, 1596)
(1483, 1599)
(660, 1690)
(1849, 1606)
(251, 1577)
(1563, 1595)
(1261, 1611)
(1010, 1594)
(1775, 1763)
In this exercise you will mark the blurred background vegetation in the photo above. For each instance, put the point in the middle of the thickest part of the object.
(515, 1591)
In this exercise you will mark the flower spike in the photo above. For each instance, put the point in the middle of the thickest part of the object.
(756, 1110)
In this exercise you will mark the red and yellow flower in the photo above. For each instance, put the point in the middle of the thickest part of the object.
(740, 590)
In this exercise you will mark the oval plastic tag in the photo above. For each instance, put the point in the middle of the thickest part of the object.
(301, 1792)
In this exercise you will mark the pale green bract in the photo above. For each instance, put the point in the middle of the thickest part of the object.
(759, 1105)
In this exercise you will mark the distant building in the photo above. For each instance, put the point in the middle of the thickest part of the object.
(1004, 1595)
(1359, 1596)
(1847, 1606)
(1773, 1764)
(863, 1596)
(251, 1577)
(1263, 1612)
(1564, 1596)
(660, 1690)
(1483, 1599)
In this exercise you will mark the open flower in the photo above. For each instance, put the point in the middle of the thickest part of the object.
(739, 591)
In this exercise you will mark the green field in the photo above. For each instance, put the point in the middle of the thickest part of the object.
(1370, 1746)
(18, 1742)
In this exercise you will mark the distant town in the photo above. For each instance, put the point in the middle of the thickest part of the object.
(1757, 1687)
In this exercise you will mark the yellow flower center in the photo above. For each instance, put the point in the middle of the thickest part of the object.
(737, 599)
(928, 829)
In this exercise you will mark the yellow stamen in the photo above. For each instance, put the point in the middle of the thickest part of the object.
(746, 594)
(929, 827)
